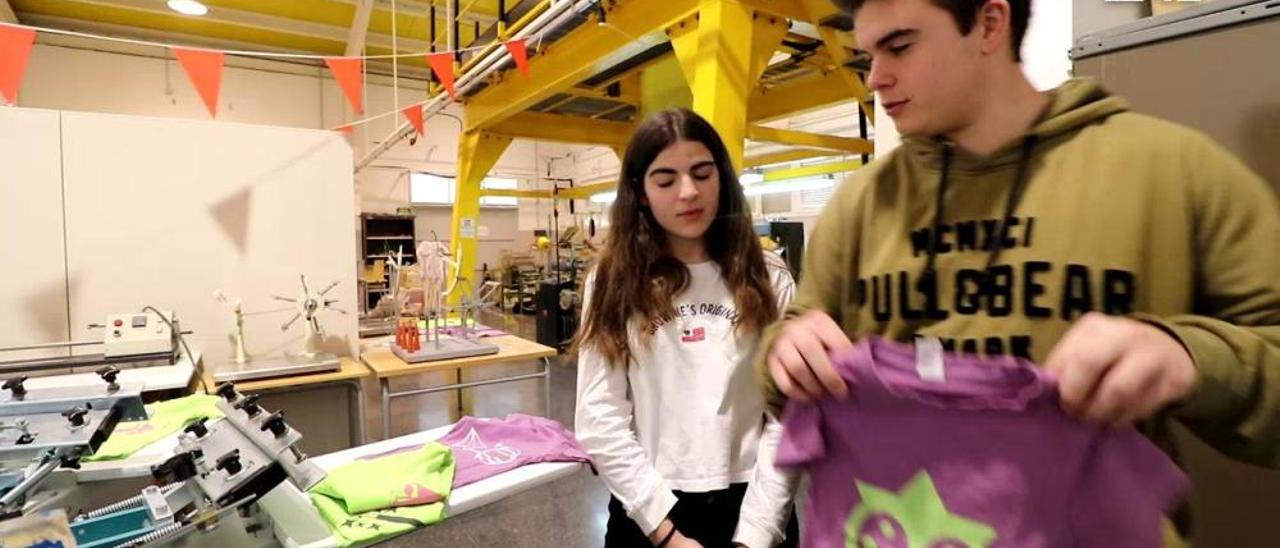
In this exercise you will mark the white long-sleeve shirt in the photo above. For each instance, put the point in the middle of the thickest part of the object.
(688, 414)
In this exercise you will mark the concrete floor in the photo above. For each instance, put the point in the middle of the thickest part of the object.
(569, 512)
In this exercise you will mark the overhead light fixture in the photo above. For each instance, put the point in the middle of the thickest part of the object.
(751, 178)
(188, 7)
(793, 185)
(603, 198)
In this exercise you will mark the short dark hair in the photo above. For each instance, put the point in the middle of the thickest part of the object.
(965, 13)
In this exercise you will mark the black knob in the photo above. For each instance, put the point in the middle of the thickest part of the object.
(229, 462)
(71, 461)
(15, 385)
(109, 374)
(227, 390)
(249, 404)
(25, 439)
(177, 468)
(275, 423)
(76, 416)
(198, 428)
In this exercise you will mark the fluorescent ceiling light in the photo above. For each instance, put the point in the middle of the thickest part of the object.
(603, 198)
(794, 185)
(751, 178)
(188, 7)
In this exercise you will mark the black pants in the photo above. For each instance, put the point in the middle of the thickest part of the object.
(709, 518)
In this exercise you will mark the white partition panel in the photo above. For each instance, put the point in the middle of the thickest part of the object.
(33, 284)
(167, 212)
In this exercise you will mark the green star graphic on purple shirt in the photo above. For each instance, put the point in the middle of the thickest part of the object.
(913, 517)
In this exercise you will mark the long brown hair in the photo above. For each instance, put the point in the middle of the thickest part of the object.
(637, 278)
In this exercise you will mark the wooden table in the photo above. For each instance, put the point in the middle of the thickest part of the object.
(350, 373)
(511, 348)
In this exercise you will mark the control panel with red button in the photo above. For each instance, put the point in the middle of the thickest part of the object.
(134, 334)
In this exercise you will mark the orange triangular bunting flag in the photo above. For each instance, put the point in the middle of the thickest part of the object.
(414, 114)
(15, 51)
(520, 52)
(442, 64)
(349, 72)
(204, 68)
(347, 129)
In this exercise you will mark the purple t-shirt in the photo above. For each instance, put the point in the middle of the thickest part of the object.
(985, 457)
(487, 447)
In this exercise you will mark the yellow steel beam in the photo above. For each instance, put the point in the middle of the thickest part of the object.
(784, 156)
(786, 9)
(804, 95)
(477, 153)
(585, 191)
(564, 129)
(588, 190)
(817, 10)
(813, 170)
(684, 41)
(727, 51)
(800, 138)
(6, 12)
(571, 59)
(607, 112)
(508, 193)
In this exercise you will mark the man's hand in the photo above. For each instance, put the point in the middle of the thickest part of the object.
(1117, 370)
(798, 359)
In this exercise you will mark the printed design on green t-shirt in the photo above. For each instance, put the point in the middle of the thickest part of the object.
(493, 455)
(913, 517)
(415, 493)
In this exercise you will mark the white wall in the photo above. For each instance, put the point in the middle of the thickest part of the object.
(138, 211)
(33, 288)
(75, 74)
(1090, 16)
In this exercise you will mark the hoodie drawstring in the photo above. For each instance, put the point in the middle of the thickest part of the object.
(928, 278)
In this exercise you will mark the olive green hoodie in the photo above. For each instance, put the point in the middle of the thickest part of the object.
(1106, 210)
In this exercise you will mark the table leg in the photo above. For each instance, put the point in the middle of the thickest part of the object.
(546, 387)
(386, 408)
(358, 401)
(458, 376)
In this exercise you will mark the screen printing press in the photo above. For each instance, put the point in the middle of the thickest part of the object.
(204, 486)
(237, 481)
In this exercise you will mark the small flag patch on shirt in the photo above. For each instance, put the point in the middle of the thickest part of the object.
(696, 334)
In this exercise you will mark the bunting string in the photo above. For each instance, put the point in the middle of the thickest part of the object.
(204, 67)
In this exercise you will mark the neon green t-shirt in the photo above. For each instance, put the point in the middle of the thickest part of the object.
(372, 500)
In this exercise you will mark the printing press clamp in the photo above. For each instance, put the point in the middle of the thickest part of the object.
(219, 470)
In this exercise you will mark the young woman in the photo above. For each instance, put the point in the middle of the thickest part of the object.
(668, 406)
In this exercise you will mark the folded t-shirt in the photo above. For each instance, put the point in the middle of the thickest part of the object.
(371, 500)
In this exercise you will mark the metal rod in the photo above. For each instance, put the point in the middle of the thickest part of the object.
(66, 344)
(395, 76)
(29, 482)
(472, 384)
(454, 39)
(862, 131)
(546, 386)
(433, 32)
(488, 63)
(386, 408)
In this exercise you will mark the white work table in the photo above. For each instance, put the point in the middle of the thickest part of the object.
(285, 501)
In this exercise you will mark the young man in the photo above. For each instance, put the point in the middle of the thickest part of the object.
(1132, 257)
